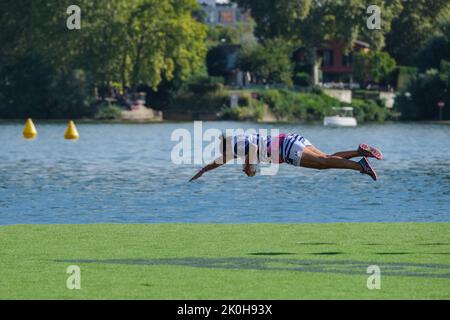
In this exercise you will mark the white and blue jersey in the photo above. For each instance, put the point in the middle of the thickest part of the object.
(289, 146)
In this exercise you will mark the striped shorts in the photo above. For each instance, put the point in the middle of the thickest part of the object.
(292, 149)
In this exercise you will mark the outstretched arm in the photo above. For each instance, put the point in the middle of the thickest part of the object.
(213, 165)
(251, 160)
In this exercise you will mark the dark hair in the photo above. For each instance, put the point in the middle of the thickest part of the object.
(224, 143)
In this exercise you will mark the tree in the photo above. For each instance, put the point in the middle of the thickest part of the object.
(313, 22)
(221, 34)
(141, 42)
(134, 42)
(31, 87)
(276, 18)
(419, 100)
(373, 65)
(411, 28)
(161, 36)
(316, 21)
(216, 62)
(435, 49)
(269, 62)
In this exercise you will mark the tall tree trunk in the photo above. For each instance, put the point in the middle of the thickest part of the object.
(137, 63)
(123, 67)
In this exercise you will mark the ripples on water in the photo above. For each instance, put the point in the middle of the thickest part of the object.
(123, 173)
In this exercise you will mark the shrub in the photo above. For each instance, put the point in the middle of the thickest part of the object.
(269, 62)
(373, 66)
(253, 112)
(402, 75)
(216, 61)
(419, 100)
(302, 79)
(292, 106)
(30, 87)
(205, 84)
(370, 111)
(108, 111)
(209, 102)
(72, 95)
(435, 49)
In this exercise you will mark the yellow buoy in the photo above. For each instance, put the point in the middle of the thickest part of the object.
(29, 131)
(71, 132)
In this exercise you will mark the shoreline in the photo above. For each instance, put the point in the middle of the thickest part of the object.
(97, 121)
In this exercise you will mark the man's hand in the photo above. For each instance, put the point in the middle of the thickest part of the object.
(198, 175)
(250, 170)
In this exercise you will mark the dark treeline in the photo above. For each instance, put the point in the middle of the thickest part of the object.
(49, 71)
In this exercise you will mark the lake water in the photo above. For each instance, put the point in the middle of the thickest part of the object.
(123, 173)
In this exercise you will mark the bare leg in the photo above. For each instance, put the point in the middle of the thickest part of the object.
(347, 154)
(342, 154)
(314, 161)
(317, 152)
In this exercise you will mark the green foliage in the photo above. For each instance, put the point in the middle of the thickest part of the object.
(71, 95)
(269, 63)
(24, 87)
(108, 111)
(276, 18)
(222, 35)
(134, 43)
(204, 84)
(402, 76)
(420, 98)
(255, 113)
(248, 109)
(31, 87)
(208, 102)
(373, 65)
(410, 29)
(370, 111)
(293, 106)
(162, 36)
(445, 70)
(435, 49)
(216, 62)
(218, 35)
(302, 79)
(314, 22)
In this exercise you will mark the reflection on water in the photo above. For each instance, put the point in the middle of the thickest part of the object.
(123, 173)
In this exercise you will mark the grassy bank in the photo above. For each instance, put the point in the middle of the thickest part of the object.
(285, 105)
(254, 261)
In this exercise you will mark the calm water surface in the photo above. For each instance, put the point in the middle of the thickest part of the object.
(123, 173)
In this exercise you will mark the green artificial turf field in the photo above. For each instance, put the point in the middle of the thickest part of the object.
(246, 261)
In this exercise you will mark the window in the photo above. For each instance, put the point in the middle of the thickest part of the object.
(347, 60)
(328, 58)
(226, 16)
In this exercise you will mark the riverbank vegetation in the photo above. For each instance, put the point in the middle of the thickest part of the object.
(209, 95)
(430, 87)
(170, 51)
